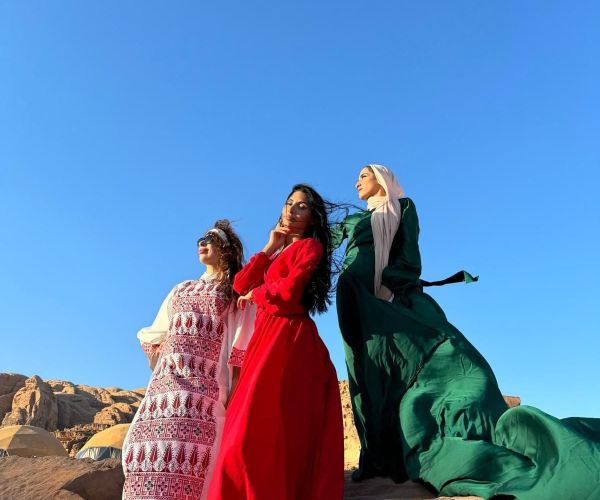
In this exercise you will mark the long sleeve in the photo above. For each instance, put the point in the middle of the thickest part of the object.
(155, 333)
(152, 336)
(252, 274)
(280, 295)
(338, 234)
(242, 328)
(404, 267)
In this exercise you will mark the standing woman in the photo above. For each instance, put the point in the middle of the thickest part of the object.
(426, 403)
(283, 435)
(195, 347)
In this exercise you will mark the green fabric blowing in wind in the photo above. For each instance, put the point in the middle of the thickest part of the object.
(426, 403)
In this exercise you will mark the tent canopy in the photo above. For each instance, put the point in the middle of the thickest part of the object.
(112, 437)
(29, 441)
(105, 444)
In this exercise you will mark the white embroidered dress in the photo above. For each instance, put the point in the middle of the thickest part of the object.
(172, 443)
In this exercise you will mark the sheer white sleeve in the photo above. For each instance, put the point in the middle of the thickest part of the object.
(243, 330)
(155, 333)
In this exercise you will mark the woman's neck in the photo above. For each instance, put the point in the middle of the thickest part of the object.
(211, 270)
(291, 238)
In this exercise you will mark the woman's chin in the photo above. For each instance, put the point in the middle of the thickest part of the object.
(297, 231)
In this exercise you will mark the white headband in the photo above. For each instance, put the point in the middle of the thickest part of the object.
(221, 234)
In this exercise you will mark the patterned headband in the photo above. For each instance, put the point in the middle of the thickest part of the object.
(221, 234)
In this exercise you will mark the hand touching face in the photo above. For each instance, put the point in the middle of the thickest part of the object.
(296, 214)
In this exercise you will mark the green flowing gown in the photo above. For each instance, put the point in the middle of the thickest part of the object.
(427, 405)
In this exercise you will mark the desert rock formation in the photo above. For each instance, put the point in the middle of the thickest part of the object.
(33, 404)
(74, 412)
(60, 478)
(10, 383)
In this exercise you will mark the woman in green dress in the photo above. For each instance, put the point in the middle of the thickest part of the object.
(426, 404)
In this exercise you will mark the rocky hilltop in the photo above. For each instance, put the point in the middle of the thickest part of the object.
(76, 412)
(73, 412)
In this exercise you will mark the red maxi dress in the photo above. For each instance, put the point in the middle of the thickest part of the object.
(283, 434)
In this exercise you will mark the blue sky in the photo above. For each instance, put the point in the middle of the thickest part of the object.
(127, 129)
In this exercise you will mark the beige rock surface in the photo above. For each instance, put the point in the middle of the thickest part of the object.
(33, 404)
(60, 478)
(83, 410)
(118, 413)
(10, 383)
(351, 443)
(66, 478)
(79, 404)
(75, 412)
(74, 439)
(512, 401)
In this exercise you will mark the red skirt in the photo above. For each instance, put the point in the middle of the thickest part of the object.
(283, 435)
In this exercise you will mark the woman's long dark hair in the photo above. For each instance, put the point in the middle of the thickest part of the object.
(317, 294)
(231, 258)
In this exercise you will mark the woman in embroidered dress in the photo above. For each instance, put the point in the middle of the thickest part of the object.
(426, 403)
(195, 346)
(283, 436)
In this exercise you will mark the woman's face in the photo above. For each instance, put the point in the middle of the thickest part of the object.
(367, 185)
(209, 249)
(296, 213)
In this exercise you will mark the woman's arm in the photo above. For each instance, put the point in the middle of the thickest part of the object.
(151, 337)
(273, 297)
(404, 267)
(252, 274)
(338, 234)
(240, 330)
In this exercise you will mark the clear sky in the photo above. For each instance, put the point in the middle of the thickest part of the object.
(128, 128)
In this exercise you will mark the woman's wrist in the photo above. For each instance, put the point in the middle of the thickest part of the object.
(268, 250)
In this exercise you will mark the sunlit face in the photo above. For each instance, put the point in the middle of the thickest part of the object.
(296, 213)
(367, 185)
(209, 249)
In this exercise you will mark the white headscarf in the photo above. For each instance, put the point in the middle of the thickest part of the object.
(384, 223)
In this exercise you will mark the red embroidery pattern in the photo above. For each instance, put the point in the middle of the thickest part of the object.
(168, 450)
(193, 432)
(149, 348)
(236, 358)
(158, 485)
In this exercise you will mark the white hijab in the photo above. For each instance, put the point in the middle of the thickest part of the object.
(384, 223)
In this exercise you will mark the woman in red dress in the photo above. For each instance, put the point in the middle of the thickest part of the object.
(283, 435)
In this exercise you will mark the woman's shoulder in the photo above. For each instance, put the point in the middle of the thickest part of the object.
(310, 244)
(184, 284)
(356, 216)
(407, 203)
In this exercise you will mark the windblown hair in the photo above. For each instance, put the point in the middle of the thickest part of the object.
(230, 260)
(317, 294)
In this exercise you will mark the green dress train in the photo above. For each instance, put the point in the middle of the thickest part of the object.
(426, 403)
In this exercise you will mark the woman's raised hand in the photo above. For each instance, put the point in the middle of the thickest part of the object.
(242, 299)
(276, 239)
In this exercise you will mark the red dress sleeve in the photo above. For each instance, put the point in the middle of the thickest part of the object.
(278, 295)
(252, 274)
